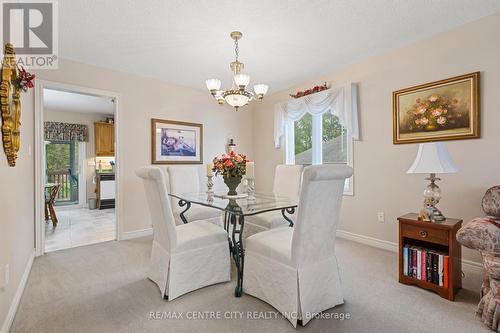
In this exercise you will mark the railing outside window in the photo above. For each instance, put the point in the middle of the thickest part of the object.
(62, 178)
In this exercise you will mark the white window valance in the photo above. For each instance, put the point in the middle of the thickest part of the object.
(340, 101)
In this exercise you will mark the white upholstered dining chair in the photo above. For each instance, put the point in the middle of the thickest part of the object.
(186, 179)
(295, 269)
(184, 257)
(287, 180)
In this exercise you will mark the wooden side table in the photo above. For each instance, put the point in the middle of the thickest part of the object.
(439, 237)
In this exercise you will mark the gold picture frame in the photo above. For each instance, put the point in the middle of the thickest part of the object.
(438, 111)
(176, 142)
(10, 102)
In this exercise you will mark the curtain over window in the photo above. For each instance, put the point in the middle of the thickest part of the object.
(342, 102)
(55, 131)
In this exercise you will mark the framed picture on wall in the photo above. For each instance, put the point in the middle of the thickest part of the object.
(443, 110)
(176, 142)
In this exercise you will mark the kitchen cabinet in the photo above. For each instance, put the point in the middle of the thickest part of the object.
(104, 139)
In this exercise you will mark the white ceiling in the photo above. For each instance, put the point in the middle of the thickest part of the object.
(57, 100)
(285, 42)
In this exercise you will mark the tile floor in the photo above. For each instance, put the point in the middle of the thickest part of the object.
(79, 226)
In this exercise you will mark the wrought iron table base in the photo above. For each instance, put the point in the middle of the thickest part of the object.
(236, 246)
(235, 238)
(290, 211)
(183, 203)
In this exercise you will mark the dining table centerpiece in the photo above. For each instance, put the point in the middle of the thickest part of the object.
(232, 167)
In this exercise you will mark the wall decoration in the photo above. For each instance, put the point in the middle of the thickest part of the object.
(313, 90)
(443, 110)
(14, 80)
(176, 142)
(55, 131)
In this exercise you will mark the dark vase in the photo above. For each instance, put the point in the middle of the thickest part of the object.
(232, 183)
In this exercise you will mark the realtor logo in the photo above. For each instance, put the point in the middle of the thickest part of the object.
(31, 27)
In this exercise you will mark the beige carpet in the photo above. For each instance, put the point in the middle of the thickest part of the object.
(103, 288)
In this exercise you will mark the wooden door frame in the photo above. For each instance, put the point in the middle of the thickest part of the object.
(40, 85)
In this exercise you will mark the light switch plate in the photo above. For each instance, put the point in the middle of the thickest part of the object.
(381, 217)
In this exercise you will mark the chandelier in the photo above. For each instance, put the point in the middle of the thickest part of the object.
(237, 96)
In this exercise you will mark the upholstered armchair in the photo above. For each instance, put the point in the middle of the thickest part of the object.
(483, 234)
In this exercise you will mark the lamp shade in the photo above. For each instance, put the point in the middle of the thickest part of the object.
(236, 100)
(213, 84)
(260, 89)
(433, 158)
(242, 80)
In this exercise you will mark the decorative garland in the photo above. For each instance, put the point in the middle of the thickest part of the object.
(14, 80)
(313, 90)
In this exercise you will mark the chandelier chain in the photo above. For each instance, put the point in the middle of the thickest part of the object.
(236, 49)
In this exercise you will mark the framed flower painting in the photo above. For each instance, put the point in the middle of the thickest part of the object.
(443, 110)
(176, 142)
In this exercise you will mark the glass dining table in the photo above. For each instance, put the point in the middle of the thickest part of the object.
(235, 210)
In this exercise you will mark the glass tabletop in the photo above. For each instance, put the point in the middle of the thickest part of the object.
(263, 202)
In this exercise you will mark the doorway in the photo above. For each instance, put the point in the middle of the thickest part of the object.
(70, 168)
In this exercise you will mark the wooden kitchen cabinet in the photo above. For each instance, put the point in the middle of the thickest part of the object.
(104, 139)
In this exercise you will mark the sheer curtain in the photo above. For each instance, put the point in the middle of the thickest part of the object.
(340, 101)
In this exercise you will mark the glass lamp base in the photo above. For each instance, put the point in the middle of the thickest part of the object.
(432, 195)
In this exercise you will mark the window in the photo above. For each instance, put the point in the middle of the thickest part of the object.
(334, 140)
(319, 139)
(62, 158)
(303, 140)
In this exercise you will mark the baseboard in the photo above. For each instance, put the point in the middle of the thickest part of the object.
(467, 265)
(378, 243)
(472, 266)
(136, 234)
(17, 297)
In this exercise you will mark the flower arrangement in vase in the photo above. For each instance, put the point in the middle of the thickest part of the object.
(232, 167)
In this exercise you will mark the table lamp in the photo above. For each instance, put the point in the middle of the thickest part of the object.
(432, 158)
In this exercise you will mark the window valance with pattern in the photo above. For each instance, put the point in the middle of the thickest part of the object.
(55, 131)
(340, 101)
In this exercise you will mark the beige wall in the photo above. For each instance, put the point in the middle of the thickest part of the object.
(85, 119)
(380, 183)
(17, 209)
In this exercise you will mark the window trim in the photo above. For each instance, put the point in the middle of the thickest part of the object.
(317, 156)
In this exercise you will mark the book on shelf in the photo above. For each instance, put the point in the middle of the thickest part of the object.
(410, 262)
(446, 271)
(426, 265)
(419, 264)
(440, 269)
(414, 262)
(405, 260)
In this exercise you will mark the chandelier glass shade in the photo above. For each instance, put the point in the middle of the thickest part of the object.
(238, 95)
